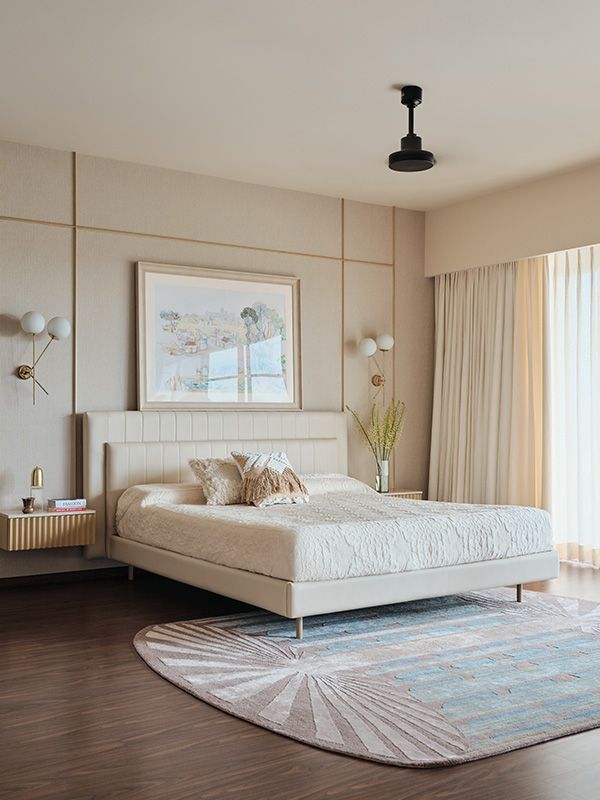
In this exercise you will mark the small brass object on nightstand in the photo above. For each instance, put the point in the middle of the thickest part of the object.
(37, 478)
(28, 505)
(36, 488)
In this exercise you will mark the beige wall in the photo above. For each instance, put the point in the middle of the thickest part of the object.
(551, 214)
(414, 319)
(352, 278)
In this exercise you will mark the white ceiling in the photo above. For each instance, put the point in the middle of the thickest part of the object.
(297, 93)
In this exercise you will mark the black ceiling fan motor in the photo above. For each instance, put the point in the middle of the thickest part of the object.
(411, 157)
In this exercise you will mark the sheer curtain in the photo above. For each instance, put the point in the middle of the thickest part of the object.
(489, 400)
(573, 382)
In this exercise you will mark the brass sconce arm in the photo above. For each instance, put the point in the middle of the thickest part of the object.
(52, 339)
(25, 372)
(379, 378)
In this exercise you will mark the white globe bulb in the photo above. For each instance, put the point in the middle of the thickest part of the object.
(367, 347)
(385, 341)
(33, 322)
(59, 328)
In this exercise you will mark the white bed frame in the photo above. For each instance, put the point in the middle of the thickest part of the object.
(124, 448)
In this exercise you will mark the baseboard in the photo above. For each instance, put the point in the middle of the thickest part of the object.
(74, 576)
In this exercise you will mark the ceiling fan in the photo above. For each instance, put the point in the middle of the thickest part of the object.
(411, 157)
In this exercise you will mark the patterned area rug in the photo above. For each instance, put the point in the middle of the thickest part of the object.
(422, 684)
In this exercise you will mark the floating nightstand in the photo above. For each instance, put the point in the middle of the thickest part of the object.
(407, 494)
(43, 529)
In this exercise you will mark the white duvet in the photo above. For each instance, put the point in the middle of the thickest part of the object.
(346, 530)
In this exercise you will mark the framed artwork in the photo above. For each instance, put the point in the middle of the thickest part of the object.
(211, 338)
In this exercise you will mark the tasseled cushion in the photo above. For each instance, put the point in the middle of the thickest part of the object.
(268, 479)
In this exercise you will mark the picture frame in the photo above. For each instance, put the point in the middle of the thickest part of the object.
(217, 338)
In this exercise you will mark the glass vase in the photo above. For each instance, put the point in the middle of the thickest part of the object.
(382, 479)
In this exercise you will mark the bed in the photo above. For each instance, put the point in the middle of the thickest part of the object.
(348, 548)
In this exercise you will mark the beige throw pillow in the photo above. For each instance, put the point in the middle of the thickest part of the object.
(269, 479)
(220, 479)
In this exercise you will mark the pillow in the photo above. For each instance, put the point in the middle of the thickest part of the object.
(330, 482)
(150, 494)
(220, 479)
(269, 479)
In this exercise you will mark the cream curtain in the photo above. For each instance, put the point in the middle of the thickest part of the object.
(573, 380)
(488, 408)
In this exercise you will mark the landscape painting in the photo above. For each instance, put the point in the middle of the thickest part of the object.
(209, 338)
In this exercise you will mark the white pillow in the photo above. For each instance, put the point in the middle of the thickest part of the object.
(220, 479)
(327, 482)
(151, 494)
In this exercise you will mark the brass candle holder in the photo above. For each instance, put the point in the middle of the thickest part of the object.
(28, 505)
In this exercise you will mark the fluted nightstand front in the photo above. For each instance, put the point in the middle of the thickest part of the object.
(44, 529)
(407, 494)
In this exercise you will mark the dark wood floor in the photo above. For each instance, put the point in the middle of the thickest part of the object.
(82, 717)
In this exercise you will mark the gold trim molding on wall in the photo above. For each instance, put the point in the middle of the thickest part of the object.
(342, 306)
(165, 237)
(74, 470)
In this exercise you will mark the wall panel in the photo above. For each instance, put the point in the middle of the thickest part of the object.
(106, 296)
(35, 269)
(142, 199)
(414, 350)
(368, 232)
(35, 263)
(362, 319)
(35, 183)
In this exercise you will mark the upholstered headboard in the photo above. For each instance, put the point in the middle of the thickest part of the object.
(124, 448)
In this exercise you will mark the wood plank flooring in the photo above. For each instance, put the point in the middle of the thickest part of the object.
(83, 718)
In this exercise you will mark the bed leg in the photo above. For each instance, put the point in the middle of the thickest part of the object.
(130, 572)
(519, 592)
(299, 627)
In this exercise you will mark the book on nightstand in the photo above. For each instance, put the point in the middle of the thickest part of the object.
(58, 505)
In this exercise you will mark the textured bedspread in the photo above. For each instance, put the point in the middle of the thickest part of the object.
(346, 530)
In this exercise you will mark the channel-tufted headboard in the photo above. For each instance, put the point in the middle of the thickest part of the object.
(124, 448)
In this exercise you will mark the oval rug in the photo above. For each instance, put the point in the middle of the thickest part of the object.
(421, 684)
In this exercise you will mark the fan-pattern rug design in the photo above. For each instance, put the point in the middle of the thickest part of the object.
(419, 684)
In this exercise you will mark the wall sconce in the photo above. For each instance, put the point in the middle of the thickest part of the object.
(368, 347)
(33, 322)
